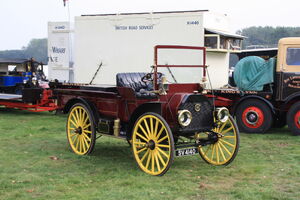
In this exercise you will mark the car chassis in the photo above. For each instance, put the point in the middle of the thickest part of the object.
(159, 120)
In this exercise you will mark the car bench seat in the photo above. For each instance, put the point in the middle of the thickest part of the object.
(133, 80)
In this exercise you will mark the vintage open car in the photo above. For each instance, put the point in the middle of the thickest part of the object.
(158, 118)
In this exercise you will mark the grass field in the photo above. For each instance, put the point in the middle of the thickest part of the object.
(36, 163)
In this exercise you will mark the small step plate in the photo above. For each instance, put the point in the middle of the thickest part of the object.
(186, 151)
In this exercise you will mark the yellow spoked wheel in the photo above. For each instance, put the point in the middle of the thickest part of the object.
(80, 130)
(152, 144)
(225, 146)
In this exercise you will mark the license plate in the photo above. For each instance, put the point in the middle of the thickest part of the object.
(186, 152)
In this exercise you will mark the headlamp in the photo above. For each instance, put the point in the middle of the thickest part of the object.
(184, 117)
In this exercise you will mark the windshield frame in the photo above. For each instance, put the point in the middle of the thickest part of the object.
(156, 65)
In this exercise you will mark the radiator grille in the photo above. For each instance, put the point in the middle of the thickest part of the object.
(203, 119)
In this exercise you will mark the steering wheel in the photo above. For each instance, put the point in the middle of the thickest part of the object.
(150, 76)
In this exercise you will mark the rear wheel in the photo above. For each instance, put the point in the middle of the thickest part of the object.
(293, 118)
(226, 145)
(81, 132)
(254, 116)
(152, 144)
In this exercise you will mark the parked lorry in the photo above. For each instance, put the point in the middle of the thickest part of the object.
(277, 102)
(158, 118)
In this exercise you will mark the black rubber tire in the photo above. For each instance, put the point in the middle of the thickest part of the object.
(266, 112)
(291, 118)
(92, 135)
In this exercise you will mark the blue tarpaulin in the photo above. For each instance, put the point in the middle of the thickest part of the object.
(253, 72)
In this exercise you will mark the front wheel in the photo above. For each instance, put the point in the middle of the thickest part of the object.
(293, 118)
(81, 131)
(254, 116)
(153, 144)
(225, 146)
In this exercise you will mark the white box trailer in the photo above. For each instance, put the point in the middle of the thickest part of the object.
(125, 43)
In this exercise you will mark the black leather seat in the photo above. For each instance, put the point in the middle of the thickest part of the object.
(133, 80)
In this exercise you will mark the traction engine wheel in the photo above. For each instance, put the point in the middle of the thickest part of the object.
(81, 130)
(226, 146)
(153, 144)
(254, 116)
(293, 118)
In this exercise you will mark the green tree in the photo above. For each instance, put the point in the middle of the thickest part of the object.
(268, 36)
(37, 49)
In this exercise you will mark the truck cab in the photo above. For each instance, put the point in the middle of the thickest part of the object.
(288, 69)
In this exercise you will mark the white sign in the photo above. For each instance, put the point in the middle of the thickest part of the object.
(59, 50)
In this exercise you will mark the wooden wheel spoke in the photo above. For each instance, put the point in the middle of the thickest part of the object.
(164, 153)
(87, 125)
(222, 127)
(151, 126)
(87, 131)
(205, 153)
(155, 129)
(87, 137)
(230, 154)
(221, 151)
(73, 134)
(79, 143)
(162, 139)
(85, 120)
(75, 139)
(77, 116)
(145, 133)
(213, 152)
(224, 132)
(147, 127)
(73, 116)
(140, 143)
(145, 155)
(152, 161)
(84, 145)
(229, 136)
(142, 137)
(157, 161)
(141, 150)
(76, 125)
(161, 159)
(217, 153)
(160, 131)
(232, 145)
(163, 145)
(148, 160)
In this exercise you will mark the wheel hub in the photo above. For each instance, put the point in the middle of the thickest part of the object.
(78, 130)
(151, 144)
(252, 117)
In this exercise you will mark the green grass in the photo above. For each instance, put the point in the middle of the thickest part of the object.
(266, 167)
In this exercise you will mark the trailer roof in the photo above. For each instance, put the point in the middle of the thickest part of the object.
(12, 60)
(224, 33)
(15, 61)
(143, 13)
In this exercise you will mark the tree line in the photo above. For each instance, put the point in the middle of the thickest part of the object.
(37, 49)
(267, 36)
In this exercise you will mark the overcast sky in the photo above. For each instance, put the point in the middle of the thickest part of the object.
(22, 20)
